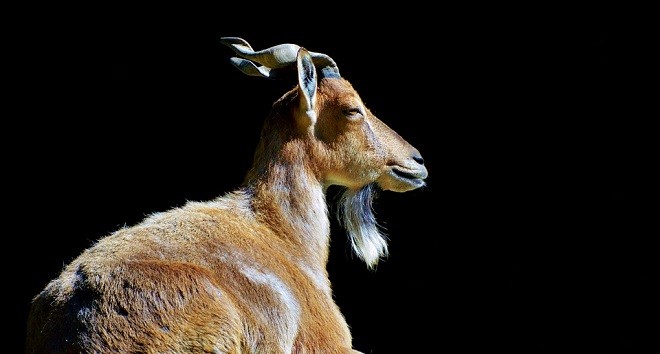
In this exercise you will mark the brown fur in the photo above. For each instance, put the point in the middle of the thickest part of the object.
(245, 273)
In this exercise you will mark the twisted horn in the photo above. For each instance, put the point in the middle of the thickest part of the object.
(271, 59)
(235, 41)
(250, 68)
(274, 57)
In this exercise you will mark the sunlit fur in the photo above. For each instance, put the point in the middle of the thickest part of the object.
(246, 272)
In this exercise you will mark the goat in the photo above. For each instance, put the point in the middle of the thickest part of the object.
(245, 272)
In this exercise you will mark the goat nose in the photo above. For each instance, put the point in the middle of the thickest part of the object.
(418, 158)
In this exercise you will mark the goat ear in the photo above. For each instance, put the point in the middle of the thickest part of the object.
(306, 85)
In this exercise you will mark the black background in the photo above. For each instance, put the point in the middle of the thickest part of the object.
(533, 234)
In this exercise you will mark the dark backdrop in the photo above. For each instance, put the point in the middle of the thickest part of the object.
(531, 235)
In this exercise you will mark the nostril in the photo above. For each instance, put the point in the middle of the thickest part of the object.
(418, 158)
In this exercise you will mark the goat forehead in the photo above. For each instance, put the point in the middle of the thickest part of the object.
(337, 88)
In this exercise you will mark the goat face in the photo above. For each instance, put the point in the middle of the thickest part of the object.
(357, 148)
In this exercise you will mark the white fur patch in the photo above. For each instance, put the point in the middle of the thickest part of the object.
(286, 322)
(318, 277)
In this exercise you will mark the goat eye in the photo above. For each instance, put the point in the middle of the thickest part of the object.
(352, 112)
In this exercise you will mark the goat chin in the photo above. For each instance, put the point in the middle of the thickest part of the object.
(400, 186)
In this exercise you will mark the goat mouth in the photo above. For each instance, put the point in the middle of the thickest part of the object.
(414, 178)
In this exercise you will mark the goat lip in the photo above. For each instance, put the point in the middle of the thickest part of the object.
(410, 176)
